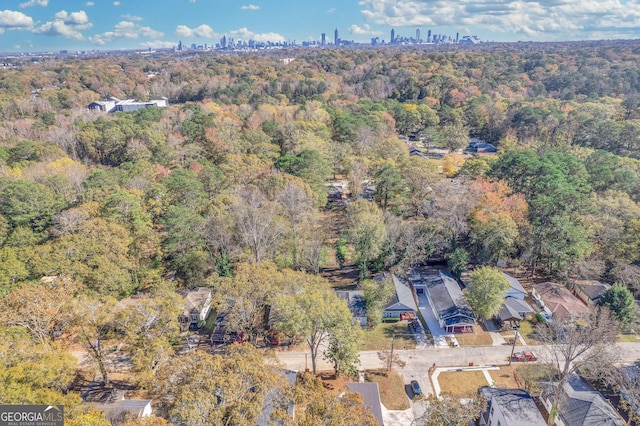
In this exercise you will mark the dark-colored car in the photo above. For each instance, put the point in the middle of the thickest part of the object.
(415, 387)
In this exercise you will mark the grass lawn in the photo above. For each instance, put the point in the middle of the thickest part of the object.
(461, 384)
(527, 331)
(478, 338)
(504, 377)
(379, 338)
(391, 386)
(628, 338)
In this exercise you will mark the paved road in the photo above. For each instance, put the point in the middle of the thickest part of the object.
(419, 360)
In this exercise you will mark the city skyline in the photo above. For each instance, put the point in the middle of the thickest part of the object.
(42, 25)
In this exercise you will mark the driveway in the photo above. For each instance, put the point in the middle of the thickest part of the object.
(438, 333)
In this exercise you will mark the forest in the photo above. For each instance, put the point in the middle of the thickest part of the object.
(228, 188)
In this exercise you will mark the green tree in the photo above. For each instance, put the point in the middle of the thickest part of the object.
(222, 389)
(343, 350)
(486, 291)
(27, 203)
(457, 261)
(620, 302)
(367, 232)
(376, 294)
(389, 185)
(314, 313)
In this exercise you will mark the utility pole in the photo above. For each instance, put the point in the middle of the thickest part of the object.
(393, 339)
(513, 347)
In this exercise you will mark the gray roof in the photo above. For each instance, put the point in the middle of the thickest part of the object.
(268, 407)
(118, 411)
(583, 406)
(195, 299)
(516, 405)
(370, 395)
(512, 307)
(403, 299)
(446, 296)
(355, 301)
(593, 289)
(514, 283)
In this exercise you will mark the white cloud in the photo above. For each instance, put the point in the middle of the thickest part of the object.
(157, 44)
(65, 24)
(14, 20)
(245, 34)
(78, 19)
(364, 30)
(116, 3)
(250, 7)
(43, 3)
(192, 1)
(125, 29)
(203, 31)
(534, 19)
(129, 17)
(89, 3)
(332, 10)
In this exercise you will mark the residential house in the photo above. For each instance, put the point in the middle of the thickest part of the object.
(581, 405)
(355, 300)
(514, 309)
(197, 304)
(403, 303)
(556, 300)
(371, 397)
(589, 291)
(114, 104)
(270, 400)
(447, 303)
(124, 410)
(509, 407)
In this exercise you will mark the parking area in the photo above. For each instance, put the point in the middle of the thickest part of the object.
(438, 333)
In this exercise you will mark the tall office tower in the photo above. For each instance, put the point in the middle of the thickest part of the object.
(336, 37)
(393, 36)
(457, 35)
(429, 36)
(418, 35)
(180, 45)
(223, 41)
(324, 39)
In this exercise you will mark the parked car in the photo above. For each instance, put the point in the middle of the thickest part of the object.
(415, 387)
(524, 356)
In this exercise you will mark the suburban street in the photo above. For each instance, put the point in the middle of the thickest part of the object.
(419, 360)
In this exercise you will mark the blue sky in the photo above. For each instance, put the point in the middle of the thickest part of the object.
(40, 25)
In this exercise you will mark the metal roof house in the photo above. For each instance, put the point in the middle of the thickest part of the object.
(403, 304)
(115, 104)
(509, 407)
(581, 405)
(371, 397)
(357, 306)
(445, 298)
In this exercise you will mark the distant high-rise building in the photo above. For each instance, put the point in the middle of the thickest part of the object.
(223, 41)
(418, 35)
(457, 37)
(324, 39)
(180, 45)
(336, 37)
(428, 36)
(393, 36)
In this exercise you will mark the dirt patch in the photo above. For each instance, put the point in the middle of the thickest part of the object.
(345, 278)
(333, 385)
